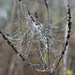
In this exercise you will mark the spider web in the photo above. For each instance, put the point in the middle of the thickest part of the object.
(41, 44)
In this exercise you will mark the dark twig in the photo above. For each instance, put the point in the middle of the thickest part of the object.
(46, 3)
(68, 35)
(15, 49)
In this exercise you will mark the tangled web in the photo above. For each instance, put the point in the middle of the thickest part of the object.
(40, 44)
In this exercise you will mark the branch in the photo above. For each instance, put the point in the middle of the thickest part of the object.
(68, 35)
(20, 55)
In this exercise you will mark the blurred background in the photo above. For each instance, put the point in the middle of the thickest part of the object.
(10, 63)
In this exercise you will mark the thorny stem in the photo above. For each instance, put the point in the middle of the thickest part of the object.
(16, 50)
(68, 35)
